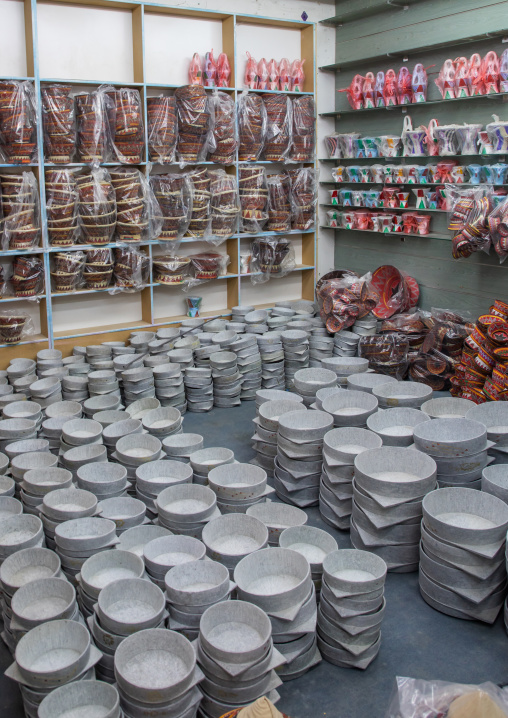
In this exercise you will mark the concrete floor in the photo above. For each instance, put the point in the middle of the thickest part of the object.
(416, 640)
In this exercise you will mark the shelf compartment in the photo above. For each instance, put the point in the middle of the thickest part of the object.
(445, 238)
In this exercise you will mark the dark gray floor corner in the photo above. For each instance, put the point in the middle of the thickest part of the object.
(416, 640)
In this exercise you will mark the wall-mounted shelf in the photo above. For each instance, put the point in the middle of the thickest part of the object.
(387, 209)
(367, 8)
(391, 234)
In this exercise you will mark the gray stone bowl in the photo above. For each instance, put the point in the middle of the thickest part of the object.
(186, 503)
(450, 438)
(7, 486)
(112, 433)
(310, 380)
(42, 481)
(106, 567)
(277, 517)
(14, 429)
(100, 699)
(270, 412)
(231, 537)
(354, 572)
(125, 511)
(274, 579)
(237, 482)
(235, 632)
(197, 584)
(45, 599)
(129, 605)
(163, 553)
(204, 460)
(28, 565)
(350, 408)
(101, 478)
(154, 477)
(154, 666)
(396, 426)
(162, 421)
(465, 516)
(79, 432)
(344, 444)
(315, 544)
(367, 381)
(304, 427)
(457, 465)
(395, 472)
(72, 409)
(19, 532)
(139, 408)
(138, 449)
(81, 455)
(33, 460)
(494, 416)
(10, 506)
(16, 448)
(85, 533)
(495, 481)
(182, 444)
(106, 418)
(447, 407)
(135, 539)
(65, 504)
(402, 393)
(22, 410)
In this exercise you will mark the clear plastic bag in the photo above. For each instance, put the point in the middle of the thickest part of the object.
(206, 266)
(62, 207)
(138, 214)
(98, 268)
(200, 219)
(224, 132)
(170, 270)
(304, 187)
(131, 270)
(279, 128)
(252, 123)
(67, 271)
(27, 278)
(173, 195)
(195, 124)
(333, 147)
(162, 129)
(92, 125)
(387, 353)
(225, 206)
(417, 698)
(18, 122)
(20, 225)
(96, 206)
(469, 209)
(279, 203)
(126, 126)
(304, 129)
(271, 257)
(412, 326)
(14, 326)
(58, 123)
(253, 198)
(497, 223)
(345, 299)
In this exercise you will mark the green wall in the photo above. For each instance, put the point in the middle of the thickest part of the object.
(444, 282)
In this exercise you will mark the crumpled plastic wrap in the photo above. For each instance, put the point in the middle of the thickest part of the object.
(224, 132)
(92, 125)
(131, 270)
(345, 299)
(58, 123)
(279, 203)
(162, 129)
(252, 126)
(412, 326)
(27, 276)
(418, 698)
(138, 214)
(200, 219)
(20, 225)
(304, 187)
(253, 198)
(469, 210)
(304, 129)
(96, 206)
(98, 268)
(18, 122)
(126, 126)
(225, 206)
(67, 272)
(14, 326)
(62, 207)
(195, 124)
(206, 266)
(170, 270)
(387, 353)
(271, 257)
(173, 196)
(279, 127)
(497, 223)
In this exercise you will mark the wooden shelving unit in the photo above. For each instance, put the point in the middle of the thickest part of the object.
(158, 42)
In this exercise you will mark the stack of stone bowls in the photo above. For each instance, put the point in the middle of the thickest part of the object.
(295, 343)
(402, 393)
(13, 430)
(388, 489)
(125, 511)
(248, 359)
(227, 380)
(98, 697)
(231, 537)
(169, 385)
(203, 461)
(350, 408)
(278, 580)
(23, 463)
(345, 367)
(186, 508)
(462, 559)
(309, 381)
(238, 486)
(112, 433)
(315, 544)
(124, 607)
(237, 656)
(266, 426)
(100, 570)
(191, 588)
(272, 360)
(340, 448)
(495, 481)
(199, 389)
(352, 607)
(37, 677)
(78, 539)
(19, 531)
(46, 391)
(299, 461)
(345, 344)
(155, 476)
(39, 482)
(179, 447)
(63, 505)
(135, 450)
(163, 422)
(494, 416)
(320, 346)
(103, 383)
(162, 553)
(367, 381)
(458, 446)
(396, 426)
